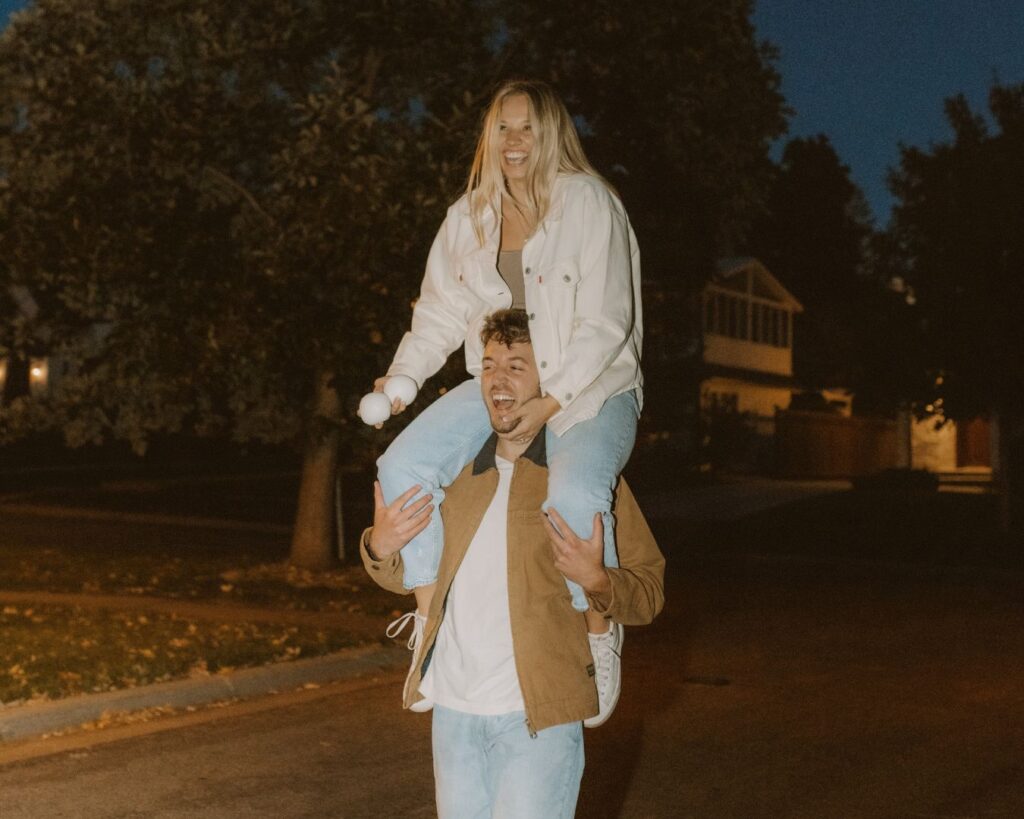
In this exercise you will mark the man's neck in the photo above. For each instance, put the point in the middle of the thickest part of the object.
(510, 450)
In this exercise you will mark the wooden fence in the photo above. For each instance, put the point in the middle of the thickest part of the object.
(821, 445)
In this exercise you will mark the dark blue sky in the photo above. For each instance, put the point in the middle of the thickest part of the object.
(874, 73)
(7, 6)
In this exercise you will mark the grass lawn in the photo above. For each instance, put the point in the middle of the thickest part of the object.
(95, 558)
(240, 579)
(56, 651)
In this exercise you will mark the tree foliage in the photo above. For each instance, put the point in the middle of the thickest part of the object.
(678, 104)
(220, 209)
(815, 237)
(218, 185)
(957, 235)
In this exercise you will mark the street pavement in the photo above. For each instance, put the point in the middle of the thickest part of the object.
(770, 687)
(728, 500)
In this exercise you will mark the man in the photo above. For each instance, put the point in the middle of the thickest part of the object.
(505, 657)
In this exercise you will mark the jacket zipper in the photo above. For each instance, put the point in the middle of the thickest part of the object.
(522, 690)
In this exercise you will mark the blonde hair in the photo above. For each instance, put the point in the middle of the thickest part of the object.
(556, 150)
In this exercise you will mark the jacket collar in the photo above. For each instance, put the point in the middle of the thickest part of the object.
(537, 452)
(492, 224)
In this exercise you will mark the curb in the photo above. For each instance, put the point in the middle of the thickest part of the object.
(36, 719)
(113, 516)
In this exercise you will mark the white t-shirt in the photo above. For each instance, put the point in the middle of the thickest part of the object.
(473, 666)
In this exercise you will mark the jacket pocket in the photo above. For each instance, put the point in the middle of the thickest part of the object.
(565, 274)
(559, 290)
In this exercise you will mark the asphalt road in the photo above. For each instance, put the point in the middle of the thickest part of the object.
(771, 687)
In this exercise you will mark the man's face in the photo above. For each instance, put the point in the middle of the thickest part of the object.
(508, 380)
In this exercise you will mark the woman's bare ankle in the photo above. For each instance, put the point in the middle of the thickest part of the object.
(596, 624)
(424, 595)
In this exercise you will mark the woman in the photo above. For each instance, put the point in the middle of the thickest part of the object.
(540, 230)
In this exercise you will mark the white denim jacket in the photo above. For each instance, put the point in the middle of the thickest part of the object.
(582, 273)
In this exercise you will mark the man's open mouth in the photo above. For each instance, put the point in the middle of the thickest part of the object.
(503, 401)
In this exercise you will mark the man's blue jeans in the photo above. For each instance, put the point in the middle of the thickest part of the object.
(583, 465)
(488, 767)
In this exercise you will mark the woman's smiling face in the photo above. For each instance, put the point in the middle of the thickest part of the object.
(515, 138)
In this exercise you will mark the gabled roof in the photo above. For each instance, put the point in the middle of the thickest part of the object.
(747, 275)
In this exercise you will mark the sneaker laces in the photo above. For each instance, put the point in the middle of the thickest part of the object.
(602, 672)
(396, 626)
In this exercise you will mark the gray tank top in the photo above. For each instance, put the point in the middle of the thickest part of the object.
(510, 266)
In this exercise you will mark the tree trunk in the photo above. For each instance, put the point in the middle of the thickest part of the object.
(314, 538)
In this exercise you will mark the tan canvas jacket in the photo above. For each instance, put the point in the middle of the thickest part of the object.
(549, 637)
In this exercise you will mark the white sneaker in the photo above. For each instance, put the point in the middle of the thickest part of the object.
(607, 651)
(414, 643)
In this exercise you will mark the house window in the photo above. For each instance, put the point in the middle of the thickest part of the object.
(740, 318)
(722, 315)
(723, 402)
(38, 375)
(733, 312)
(727, 316)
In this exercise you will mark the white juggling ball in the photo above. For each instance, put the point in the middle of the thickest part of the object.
(375, 408)
(401, 387)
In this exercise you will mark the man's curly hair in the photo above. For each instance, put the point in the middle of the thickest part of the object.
(507, 327)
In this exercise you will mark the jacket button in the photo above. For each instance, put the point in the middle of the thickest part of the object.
(568, 396)
(527, 271)
(543, 364)
(533, 316)
(566, 278)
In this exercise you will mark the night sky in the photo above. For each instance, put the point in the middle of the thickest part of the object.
(874, 73)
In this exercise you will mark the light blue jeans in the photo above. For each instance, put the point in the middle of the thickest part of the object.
(583, 466)
(488, 767)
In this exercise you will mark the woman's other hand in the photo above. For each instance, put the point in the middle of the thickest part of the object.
(531, 418)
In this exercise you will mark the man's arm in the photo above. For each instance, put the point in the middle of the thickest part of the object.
(393, 527)
(632, 594)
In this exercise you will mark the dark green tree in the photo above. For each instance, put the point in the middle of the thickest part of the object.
(678, 104)
(221, 210)
(814, 236)
(957, 233)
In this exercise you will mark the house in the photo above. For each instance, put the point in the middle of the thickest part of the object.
(748, 345)
(962, 452)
